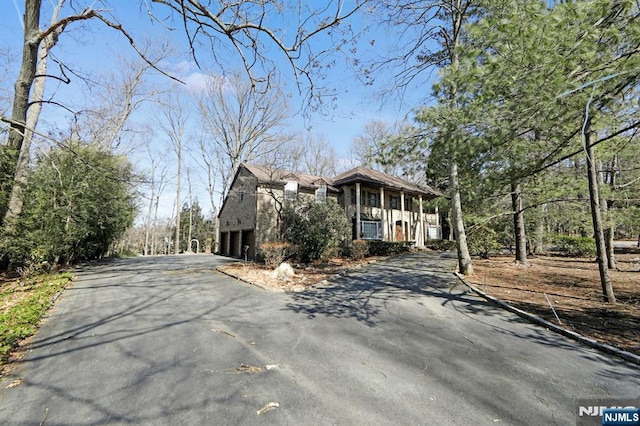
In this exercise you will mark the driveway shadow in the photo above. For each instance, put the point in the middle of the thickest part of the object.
(362, 294)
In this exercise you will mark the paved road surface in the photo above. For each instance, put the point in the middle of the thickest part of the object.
(169, 341)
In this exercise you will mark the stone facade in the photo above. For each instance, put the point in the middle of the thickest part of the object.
(238, 216)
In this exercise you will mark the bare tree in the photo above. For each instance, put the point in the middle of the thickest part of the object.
(267, 34)
(172, 120)
(7, 59)
(318, 157)
(241, 124)
(190, 229)
(367, 147)
(157, 183)
(29, 87)
(209, 162)
(123, 92)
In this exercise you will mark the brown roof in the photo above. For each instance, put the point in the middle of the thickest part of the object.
(267, 175)
(376, 178)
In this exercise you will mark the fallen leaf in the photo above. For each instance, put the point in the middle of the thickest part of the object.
(268, 407)
(15, 383)
(244, 368)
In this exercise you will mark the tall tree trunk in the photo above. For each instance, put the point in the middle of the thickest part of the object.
(148, 223)
(464, 259)
(608, 242)
(26, 75)
(27, 106)
(154, 237)
(609, 232)
(538, 241)
(190, 232)
(519, 227)
(24, 119)
(601, 250)
(178, 206)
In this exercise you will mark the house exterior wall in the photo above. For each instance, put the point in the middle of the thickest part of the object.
(392, 213)
(238, 216)
(268, 225)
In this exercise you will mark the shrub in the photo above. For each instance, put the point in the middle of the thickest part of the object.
(359, 249)
(440, 245)
(576, 246)
(388, 248)
(482, 241)
(317, 229)
(275, 253)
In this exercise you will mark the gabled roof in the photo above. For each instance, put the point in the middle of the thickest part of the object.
(379, 179)
(267, 175)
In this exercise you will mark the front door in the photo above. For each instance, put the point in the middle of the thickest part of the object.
(399, 236)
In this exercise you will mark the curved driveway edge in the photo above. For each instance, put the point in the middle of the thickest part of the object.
(612, 350)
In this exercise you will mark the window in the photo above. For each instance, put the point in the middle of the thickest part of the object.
(291, 191)
(321, 194)
(407, 203)
(371, 199)
(370, 230)
(394, 202)
(241, 196)
(353, 196)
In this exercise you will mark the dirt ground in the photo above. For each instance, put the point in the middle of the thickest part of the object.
(572, 286)
(305, 275)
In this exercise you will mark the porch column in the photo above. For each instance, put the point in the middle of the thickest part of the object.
(438, 228)
(402, 214)
(421, 237)
(382, 215)
(357, 210)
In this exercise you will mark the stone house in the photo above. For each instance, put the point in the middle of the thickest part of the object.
(381, 207)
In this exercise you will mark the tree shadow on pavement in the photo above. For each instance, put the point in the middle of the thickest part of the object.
(361, 295)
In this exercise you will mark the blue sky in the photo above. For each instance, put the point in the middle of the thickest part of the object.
(92, 48)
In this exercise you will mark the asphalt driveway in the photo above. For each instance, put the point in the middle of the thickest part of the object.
(167, 340)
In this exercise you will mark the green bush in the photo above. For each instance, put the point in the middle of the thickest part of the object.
(318, 230)
(440, 245)
(359, 249)
(482, 241)
(275, 253)
(575, 246)
(78, 202)
(389, 248)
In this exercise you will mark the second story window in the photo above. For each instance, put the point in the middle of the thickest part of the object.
(321, 194)
(374, 199)
(394, 202)
(291, 191)
(408, 202)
